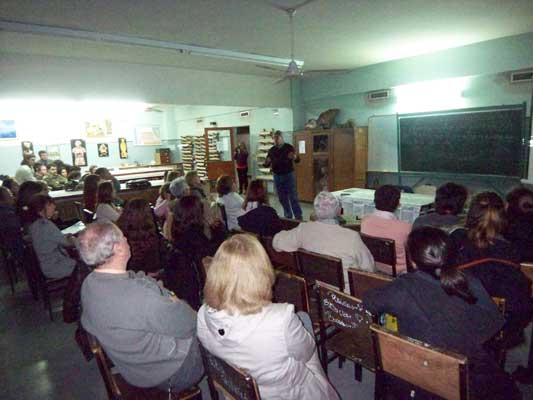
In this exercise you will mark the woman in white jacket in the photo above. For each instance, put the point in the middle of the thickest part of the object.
(240, 324)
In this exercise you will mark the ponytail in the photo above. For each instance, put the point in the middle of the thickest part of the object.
(485, 220)
(434, 252)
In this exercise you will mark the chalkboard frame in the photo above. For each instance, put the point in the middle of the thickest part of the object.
(524, 156)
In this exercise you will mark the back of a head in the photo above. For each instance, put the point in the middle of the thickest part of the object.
(240, 277)
(136, 220)
(224, 185)
(37, 203)
(450, 199)
(171, 175)
(326, 206)
(179, 187)
(189, 177)
(6, 197)
(12, 185)
(96, 243)
(387, 198)
(188, 212)
(434, 253)
(105, 192)
(256, 193)
(103, 173)
(26, 191)
(485, 220)
(520, 204)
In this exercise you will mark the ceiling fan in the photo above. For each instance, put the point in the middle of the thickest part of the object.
(294, 69)
(153, 109)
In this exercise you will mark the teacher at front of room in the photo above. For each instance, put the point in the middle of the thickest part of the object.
(282, 157)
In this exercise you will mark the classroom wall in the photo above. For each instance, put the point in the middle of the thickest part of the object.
(482, 69)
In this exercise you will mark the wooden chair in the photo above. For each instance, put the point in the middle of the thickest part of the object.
(234, 383)
(222, 210)
(288, 223)
(118, 389)
(527, 270)
(440, 372)
(291, 289)
(383, 250)
(351, 339)
(43, 285)
(361, 281)
(497, 344)
(280, 259)
(319, 267)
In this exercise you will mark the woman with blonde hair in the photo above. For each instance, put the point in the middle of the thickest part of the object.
(239, 323)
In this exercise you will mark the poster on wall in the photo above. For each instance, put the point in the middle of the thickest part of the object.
(103, 150)
(98, 129)
(7, 129)
(79, 152)
(148, 135)
(53, 152)
(27, 148)
(122, 147)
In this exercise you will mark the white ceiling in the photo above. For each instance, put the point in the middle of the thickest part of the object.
(330, 34)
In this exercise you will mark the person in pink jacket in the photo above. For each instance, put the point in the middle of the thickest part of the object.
(239, 324)
(385, 224)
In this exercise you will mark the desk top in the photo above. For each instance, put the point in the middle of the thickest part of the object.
(367, 195)
(63, 194)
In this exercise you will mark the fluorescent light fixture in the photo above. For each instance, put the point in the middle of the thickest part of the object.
(20, 27)
(435, 95)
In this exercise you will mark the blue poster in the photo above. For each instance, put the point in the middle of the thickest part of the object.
(7, 129)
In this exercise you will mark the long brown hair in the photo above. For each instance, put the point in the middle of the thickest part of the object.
(106, 192)
(188, 213)
(136, 221)
(486, 219)
(256, 193)
(90, 191)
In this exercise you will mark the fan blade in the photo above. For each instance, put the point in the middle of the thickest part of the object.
(281, 80)
(269, 68)
(326, 71)
(285, 8)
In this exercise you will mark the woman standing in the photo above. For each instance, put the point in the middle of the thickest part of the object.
(241, 159)
(239, 323)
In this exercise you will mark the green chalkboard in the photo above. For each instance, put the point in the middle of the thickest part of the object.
(488, 141)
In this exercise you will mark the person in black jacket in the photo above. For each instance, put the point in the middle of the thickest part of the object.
(440, 305)
(520, 221)
(260, 218)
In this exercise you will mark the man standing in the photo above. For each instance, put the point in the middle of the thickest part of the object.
(281, 157)
(148, 333)
(43, 158)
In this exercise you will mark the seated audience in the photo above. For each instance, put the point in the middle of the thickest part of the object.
(106, 176)
(162, 204)
(440, 305)
(195, 184)
(520, 222)
(48, 241)
(147, 332)
(171, 175)
(232, 202)
(449, 203)
(11, 232)
(25, 193)
(239, 323)
(259, 218)
(40, 171)
(24, 173)
(326, 236)
(64, 172)
(90, 171)
(384, 223)
(54, 180)
(12, 185)
(106, 209)
(90, 192)
(189, 245)
(483, 233)
(137, 223)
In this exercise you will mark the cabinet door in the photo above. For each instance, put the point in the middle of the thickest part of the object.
(342, 161)
(304, 169)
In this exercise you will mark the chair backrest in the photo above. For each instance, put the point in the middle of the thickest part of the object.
(361, 281)
(319, 267)
(111, 385)
(288, 223)
(222, 209)
(383, 250)
(527, 270)
(440, 372)
(279, 258)
(235, 383)
(291, 289)
(498, 342)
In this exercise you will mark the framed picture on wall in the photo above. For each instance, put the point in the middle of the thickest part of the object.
(122, 147)
(98, 129)
(103, 150)
(53, 152)
(27, 148)
(7, 129)
(79, 152)
(148, 135)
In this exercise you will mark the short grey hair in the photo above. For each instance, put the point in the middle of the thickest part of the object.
(327, 205)
(97, 242)
(178, 187)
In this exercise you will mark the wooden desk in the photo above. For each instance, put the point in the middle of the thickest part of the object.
(67, 209)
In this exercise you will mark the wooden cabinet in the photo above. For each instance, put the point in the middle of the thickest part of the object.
(330, 159)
